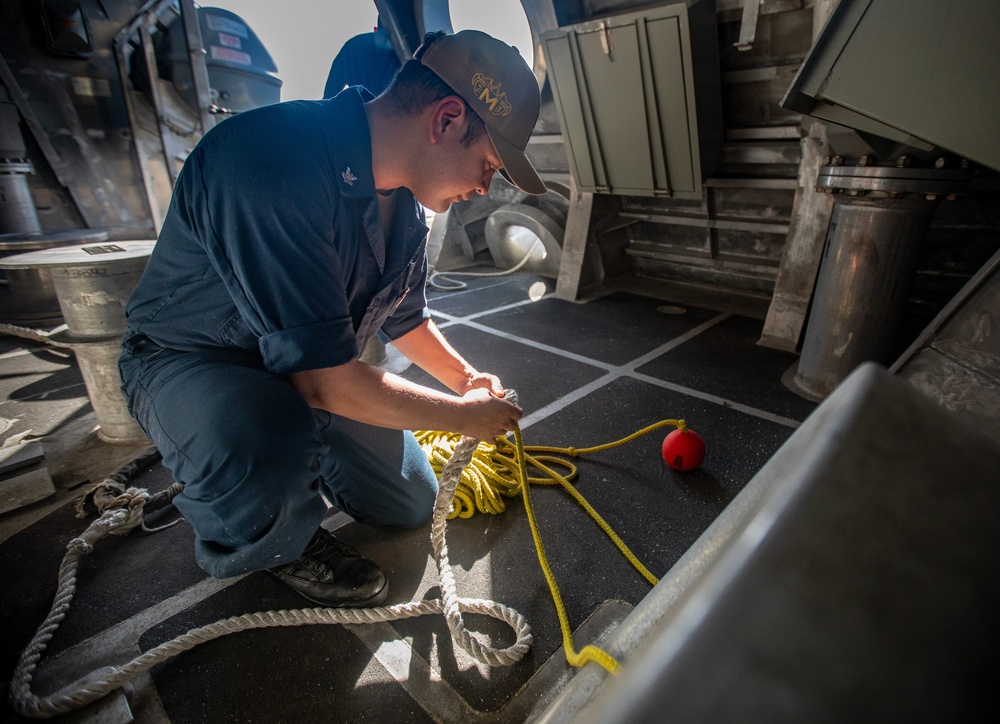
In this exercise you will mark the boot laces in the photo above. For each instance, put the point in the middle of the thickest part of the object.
(327, 549)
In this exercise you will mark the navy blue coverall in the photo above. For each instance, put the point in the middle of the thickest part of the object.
(272, 260)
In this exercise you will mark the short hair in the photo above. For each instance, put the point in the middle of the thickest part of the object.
(415, 86)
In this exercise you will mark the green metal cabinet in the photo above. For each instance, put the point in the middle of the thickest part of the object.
(639, 101)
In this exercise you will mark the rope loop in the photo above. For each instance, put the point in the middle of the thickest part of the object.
(121, 510)
(466, 486)
(501, 470)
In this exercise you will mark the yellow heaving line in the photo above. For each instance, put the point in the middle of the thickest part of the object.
(500, 470)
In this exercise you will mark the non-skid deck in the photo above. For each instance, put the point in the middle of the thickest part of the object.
(585, 374)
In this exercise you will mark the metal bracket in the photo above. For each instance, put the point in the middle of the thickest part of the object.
(607, 41)
(199, 64)
(748, 25)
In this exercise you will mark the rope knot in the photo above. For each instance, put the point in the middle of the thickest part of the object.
(80, 546)
(124, 515)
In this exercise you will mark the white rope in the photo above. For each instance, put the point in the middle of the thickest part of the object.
(443, 282)
(37, 335)
(124, 512)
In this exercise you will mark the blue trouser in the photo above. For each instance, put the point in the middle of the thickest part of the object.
(257, 462)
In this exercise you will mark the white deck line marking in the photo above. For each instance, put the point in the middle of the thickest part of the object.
(676, 341)
(120, 642)
(504, 308)
(125, 634)
(449, 293)
(455, 319)
(637, 362)
(615, 372)
(539, 345)
(412, 672)
(566, 400)
(715, 399)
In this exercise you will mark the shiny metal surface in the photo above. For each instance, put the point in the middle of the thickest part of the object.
(93, 283)
(515, 231)
(871, 254)
(956, 359)
(859, 584)
(98, 360)
(895, 180)
(17, 210)
(32, 298)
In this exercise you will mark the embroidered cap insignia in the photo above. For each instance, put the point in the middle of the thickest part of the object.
(488, 91)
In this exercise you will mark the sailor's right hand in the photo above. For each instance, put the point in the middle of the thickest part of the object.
(488, 416)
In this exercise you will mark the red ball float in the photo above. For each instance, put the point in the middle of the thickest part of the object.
(683, 450)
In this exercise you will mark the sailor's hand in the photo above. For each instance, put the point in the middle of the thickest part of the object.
(484, 381)
(489, 416)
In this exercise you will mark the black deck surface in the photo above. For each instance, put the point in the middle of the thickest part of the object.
(586, 374)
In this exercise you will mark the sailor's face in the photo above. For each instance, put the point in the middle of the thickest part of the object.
(461, 172)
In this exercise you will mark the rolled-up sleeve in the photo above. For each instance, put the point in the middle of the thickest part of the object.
(318, 345)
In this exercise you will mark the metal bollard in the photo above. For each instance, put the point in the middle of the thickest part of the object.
(93, 283)
(31, 297)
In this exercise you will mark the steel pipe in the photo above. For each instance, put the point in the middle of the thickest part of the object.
(871, 255)
(880, 219)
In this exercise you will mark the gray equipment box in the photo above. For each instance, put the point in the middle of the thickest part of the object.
(919, 72)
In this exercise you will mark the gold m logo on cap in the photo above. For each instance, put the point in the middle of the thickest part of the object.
(489, 93)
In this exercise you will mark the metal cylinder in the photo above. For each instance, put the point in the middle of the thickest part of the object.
(17, 208)
(98, 361)
(92, 297)
(31, 296)
(93, 283)
(872, 251)
(526, 235)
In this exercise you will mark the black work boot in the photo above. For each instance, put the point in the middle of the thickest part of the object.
(331, 573)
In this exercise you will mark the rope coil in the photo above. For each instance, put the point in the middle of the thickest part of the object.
(501, 470)
(474, 476)
(122, 510)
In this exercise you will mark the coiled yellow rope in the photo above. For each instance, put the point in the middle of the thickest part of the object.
(501, 470)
